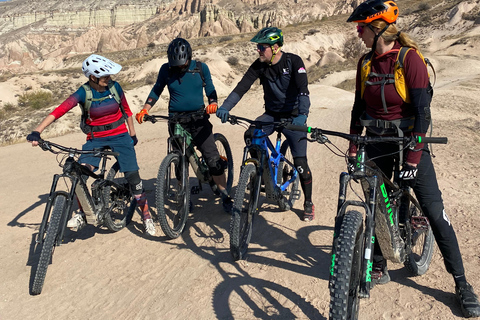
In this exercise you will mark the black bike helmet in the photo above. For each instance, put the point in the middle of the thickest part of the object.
(269, 35)
(370, 10)
(179, 52)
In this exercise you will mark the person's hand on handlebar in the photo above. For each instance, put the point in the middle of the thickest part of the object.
(139, 116)
(408, 174)
(211, 108)
(34, 137)
(299, 120)
(223, 114)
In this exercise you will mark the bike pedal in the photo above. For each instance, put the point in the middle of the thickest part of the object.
(195, 190)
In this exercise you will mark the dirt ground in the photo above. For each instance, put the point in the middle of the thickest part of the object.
(97, 274)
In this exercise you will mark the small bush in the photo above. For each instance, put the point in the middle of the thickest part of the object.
(36, 100)
(424, 6)
(9, 107)
(225, 39)
(151, 45)
(233, 61)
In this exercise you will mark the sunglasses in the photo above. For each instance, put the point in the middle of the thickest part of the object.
(262, 48)
(360, 29)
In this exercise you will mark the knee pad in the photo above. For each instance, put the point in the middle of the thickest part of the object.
(133, 178)
(302, 167)
(216, 166)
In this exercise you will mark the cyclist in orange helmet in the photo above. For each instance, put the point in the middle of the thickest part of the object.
(378, 106)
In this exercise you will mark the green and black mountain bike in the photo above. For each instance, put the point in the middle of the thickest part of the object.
(388, 212)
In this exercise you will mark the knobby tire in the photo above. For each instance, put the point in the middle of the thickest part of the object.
(225, 155)
(244, 207)
(122, 201)
(345, 280)
(52, 232)
(420, 253)
(172, 199)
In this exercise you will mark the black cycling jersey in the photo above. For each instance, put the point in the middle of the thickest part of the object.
(285, 85)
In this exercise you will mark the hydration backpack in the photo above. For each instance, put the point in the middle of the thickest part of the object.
(88, 103)
(197, 69)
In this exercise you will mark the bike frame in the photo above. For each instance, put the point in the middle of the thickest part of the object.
(270, 155)
(92, 204)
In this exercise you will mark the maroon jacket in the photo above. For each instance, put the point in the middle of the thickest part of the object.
(416, 76)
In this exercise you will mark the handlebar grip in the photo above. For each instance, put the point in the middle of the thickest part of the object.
(111, 153)
(442, 140)
(298, 128)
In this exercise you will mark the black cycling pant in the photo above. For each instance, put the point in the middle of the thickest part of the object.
(202, 134)
(298, 148)
(430, 198)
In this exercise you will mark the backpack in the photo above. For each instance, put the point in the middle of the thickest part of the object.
(197, 69)
(398, 76)
(88, 103)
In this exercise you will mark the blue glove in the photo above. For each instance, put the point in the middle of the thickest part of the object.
(135, 139)
(34, 136)
(299, 120)
(223, 114)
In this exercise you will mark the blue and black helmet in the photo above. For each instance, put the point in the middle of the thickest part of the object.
(179, 52)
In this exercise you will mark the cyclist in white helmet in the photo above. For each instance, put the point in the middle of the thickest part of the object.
(107, 121)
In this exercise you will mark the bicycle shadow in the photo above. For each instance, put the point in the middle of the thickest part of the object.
(403, 277)
(42, 200)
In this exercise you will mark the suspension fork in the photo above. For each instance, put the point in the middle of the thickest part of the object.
(369, 240)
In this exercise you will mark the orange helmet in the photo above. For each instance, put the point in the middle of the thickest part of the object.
(370, 10)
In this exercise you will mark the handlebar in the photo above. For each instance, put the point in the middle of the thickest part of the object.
(48, 146)
(177, 117)
(318, 135)
(282, 123)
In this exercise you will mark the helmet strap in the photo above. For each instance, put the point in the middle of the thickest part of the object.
(274, 53)
(374, 46)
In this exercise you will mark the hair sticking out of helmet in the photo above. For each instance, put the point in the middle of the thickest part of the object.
(179, 52)
(98, 66)
(269, 35)
(371, 10)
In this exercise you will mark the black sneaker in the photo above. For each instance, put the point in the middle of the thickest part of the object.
(468, 300)
(227, 204)
(309, 213)
(380, 273)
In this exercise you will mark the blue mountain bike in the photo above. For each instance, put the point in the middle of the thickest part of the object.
(267, 168)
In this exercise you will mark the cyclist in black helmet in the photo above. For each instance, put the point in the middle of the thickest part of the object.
(379, 105)
(186, 79)
(285, 86)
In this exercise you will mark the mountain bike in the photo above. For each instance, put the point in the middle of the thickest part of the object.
(267, 168)
(110, 202)
(393, 217)
(172, 192)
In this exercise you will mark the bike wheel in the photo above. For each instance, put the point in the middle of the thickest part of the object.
(244, 207)
(285, 173)
(346, 276)
(226, 156)
(172, 196)
(120, 203)
(420, 241)
(51, 235)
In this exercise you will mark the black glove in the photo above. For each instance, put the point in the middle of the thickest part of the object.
(351, 165)
(34, 136)
(408, 175)
(135, 139)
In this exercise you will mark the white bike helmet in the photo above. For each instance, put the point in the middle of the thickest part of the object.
(99, 66)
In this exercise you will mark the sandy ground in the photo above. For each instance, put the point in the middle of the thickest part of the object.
(97, 274)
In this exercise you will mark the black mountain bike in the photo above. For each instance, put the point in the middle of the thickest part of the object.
(173, 187)
(392, 216)
(110, 202)
(267, 168)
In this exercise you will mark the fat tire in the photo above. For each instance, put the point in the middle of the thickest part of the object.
(243, 213)
(52, 232)
(172, 220)
(124, 203)
(346, 276)
(287, 201)
(229, 158)
(418, 263)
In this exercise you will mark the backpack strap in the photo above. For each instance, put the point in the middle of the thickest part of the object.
(88, 103)
(198, 69)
